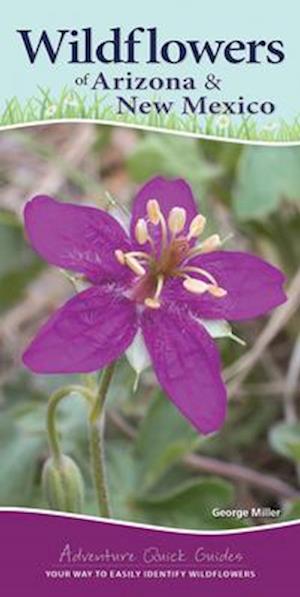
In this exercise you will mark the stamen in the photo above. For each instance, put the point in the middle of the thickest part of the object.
(195, 286)
(212, 243)
(217, 291)
(164, 231)
(120, 256)
(197, 226)
(198, 286)
(140, 254)
(176, 220)
(141, 231)
(156, 217)
(130, 260)
(126, 258)
(153, 211)
(154, 302)
(134, 265)
(159, 287)
(198, 270)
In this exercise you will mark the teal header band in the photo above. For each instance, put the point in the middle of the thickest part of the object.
(201, 70)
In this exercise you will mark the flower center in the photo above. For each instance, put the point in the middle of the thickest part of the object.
(169, 258)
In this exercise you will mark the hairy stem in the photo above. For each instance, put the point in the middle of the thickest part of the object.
(97, 419)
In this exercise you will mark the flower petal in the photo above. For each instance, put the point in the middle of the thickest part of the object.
(169, 194)
(76, 237)
(91, 330)
(187, 365)
(253, 286)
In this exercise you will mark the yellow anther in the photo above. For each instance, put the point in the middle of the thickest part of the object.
(152, 303)
(195, 286)
(176, 219)
(134, 265)
(197, 226)
(217, 291)
(120, 256)
(198, 270)
(141, 231)
(153, 211)
(212, 243)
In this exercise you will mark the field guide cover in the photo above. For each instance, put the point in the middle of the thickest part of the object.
(149, 299)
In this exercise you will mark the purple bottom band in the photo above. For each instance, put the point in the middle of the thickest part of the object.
(46, 555)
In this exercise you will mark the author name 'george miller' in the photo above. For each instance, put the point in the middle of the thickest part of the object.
(239, 513)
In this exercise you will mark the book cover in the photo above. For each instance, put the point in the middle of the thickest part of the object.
(149, 299)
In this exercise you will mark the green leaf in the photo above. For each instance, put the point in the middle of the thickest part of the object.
(190, 505)
(265, 176)
(164, 437)
(187, 503)
(20, 455)
(24, 446)
(285, 440)
(171, 156)
(18, 264)
(122, 477)
(291, 512)
(10, 247)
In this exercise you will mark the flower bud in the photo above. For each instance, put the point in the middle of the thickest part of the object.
(63, 484)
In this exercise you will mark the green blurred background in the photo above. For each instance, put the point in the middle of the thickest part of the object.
(160, 470)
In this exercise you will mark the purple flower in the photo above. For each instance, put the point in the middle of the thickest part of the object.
(157, 283)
